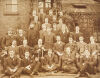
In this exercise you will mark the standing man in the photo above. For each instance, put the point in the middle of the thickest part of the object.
(42, 32)
(41, 16)
(60, 25)
(77, 34)
(46, 23)
(64, 33)
(36, 23)
(32, 36)
(54, 29)
(81, 45)
(49, 38)
(50, 16)
(20, 37)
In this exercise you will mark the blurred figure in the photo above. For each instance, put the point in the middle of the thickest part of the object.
(54, 29)
(41, 16)
(42, 32)
(46, 23)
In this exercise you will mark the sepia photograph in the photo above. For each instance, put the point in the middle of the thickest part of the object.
(49, 38)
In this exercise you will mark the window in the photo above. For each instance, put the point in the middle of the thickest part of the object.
(11, 7)
(48, 3)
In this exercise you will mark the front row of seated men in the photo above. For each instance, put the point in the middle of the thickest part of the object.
(72, 58)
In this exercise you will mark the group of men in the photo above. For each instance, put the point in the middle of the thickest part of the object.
(48, 46)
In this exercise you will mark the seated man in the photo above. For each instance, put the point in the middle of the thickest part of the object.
(72, 45)
(12, 64)
(7, 40)
(59, 48)
(88, 64)
(14, 47)
(20, 37)
(51, 62)
(23, 48)
(30, 66)
(3, 56)
(93, 46)
(68, 64)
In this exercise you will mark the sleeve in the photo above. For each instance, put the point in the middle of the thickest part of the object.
(18, 63)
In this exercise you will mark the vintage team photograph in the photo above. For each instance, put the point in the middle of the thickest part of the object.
(49, 38)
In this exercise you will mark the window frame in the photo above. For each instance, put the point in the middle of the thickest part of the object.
(10, 12)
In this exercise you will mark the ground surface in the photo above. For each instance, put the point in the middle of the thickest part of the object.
(54, 75)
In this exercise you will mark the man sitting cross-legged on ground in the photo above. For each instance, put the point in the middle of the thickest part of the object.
(51, 61)
(68, 62)
(30, 64)
(12, 64)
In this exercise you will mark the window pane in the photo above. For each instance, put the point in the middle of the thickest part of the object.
(8, 8)
(8, 1)
(14, 1)
(14, 8)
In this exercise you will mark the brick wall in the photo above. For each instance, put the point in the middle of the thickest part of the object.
(13, 21)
